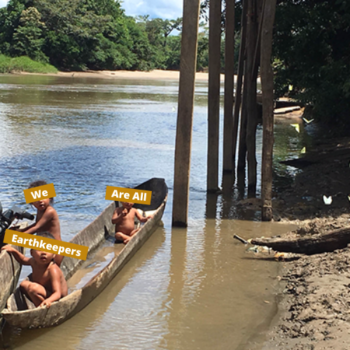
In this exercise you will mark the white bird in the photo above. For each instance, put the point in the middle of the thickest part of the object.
(296, 126)
(303, 151)
(308, 121)
(327, 200)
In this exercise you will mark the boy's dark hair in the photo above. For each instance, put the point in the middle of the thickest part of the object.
(39, 183)
(45, 235)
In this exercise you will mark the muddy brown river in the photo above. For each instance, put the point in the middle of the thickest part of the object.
(194, 288)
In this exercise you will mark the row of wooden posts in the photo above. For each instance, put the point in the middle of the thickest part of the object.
(240, 111)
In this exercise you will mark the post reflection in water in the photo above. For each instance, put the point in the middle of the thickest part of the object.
(175, 303)
(210, 205)
(227, 195)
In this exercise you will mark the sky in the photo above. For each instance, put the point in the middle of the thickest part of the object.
(166, 9)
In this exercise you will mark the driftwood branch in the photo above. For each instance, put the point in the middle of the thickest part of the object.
(275, 256)
(328, 242)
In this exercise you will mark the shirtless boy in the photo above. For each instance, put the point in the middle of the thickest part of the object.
(47, 282)
(124, 220)
(46, 219)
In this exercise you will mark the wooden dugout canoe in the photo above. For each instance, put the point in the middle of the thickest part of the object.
(9, 274)
(92, 236)
(10, 271)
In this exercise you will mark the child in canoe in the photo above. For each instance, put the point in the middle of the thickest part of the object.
(46, 219)
(47, 283)
(124, 220)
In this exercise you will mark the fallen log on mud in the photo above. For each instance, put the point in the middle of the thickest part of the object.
(261, 251)
(315, 244)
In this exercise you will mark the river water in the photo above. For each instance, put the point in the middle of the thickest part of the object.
(193, 288)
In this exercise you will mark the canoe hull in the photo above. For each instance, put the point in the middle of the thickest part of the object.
(10, 271)
(73, 303)
(9, 275)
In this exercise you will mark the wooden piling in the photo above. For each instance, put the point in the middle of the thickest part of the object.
(229, 83)
(185, 111)
(250, 82)
(214, 95)
(242, 150)
(267, 101)
(238, 97)
(260, 5)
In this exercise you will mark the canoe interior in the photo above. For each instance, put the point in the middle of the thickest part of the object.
(94, 265)
(91, 236)
(86, 279)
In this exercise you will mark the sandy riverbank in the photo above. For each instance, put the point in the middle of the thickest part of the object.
(123, 74)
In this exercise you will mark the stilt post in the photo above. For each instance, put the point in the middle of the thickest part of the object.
(238, 97)
(250, 82)
(229, 83)
(267, 101)
(188, 62)
(214, 95)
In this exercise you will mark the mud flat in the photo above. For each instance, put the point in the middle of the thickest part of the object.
(315, 309)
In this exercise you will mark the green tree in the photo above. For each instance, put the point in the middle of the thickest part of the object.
(144, 53)
(158, 29)
(173, 52)
(80, 37)
(9, 21)
(27, 37)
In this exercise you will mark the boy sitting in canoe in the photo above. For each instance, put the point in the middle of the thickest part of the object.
(46, 219)
(47, 283)
(124, 220)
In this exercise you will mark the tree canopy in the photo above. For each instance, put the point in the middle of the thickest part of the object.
(87, 34)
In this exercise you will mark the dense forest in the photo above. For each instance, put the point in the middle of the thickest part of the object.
(311, 43)
(91, 34)
(86, 34)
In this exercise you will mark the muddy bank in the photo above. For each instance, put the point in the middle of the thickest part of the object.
(315, 308)
(315, 312)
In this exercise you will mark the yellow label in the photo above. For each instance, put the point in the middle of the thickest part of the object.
(44, 244)
(129, 195)
(36, 194)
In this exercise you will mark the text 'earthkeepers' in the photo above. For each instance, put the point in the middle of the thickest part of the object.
(129, 195)
(44, 244)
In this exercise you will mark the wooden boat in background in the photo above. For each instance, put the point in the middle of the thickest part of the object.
(22, 313)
